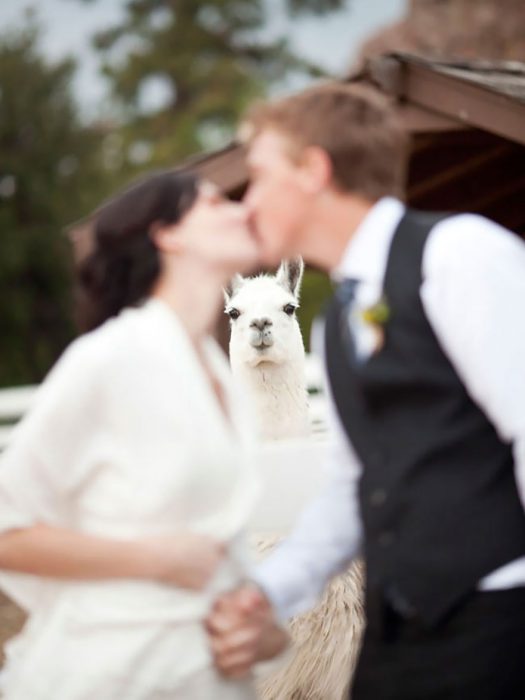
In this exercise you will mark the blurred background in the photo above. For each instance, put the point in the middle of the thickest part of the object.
(96, 92)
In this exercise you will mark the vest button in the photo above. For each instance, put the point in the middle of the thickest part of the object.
(385, 538)
(377, 497)
(399, 603)
(377, 456)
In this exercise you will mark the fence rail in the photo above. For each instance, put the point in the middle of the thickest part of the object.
(16, 401)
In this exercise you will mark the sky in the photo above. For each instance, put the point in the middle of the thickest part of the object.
(69, 25)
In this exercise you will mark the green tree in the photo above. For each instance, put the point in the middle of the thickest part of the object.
(210, 59)
(50, 173)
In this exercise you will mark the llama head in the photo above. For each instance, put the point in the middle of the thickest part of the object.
(264, 327)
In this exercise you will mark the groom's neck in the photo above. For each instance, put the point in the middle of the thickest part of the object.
(336, 219)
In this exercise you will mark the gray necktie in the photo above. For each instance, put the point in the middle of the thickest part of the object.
(345, 292)
(345, 297)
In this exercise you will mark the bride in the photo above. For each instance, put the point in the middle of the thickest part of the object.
(126, 488)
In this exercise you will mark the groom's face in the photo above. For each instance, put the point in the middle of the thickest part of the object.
(277, 199)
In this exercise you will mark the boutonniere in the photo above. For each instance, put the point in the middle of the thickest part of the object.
(375, 317)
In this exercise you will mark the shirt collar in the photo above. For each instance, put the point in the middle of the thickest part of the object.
(366, 254)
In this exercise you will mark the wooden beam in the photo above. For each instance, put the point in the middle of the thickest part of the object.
(419, 120)
(512, 186)
(470, 103)
(459, 170)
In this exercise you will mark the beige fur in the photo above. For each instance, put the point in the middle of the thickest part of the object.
(326, 642)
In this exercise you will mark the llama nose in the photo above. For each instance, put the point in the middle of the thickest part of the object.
(260, 323)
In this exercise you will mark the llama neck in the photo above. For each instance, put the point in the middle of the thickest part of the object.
(279, 396)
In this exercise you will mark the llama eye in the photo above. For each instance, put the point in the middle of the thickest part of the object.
(289, 309)
(233, 314)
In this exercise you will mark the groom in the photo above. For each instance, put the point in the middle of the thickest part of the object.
(424, 348)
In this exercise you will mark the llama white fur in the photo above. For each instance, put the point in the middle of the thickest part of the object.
(267, 357)
(267, 351)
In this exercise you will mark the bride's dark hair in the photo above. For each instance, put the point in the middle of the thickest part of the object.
(123, 263)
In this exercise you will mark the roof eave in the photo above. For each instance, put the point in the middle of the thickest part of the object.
(417, 81)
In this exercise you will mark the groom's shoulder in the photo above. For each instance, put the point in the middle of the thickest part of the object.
(466, 239)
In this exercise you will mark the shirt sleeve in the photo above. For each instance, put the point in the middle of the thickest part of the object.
(326, 537)
(474, 295)
(45, 458)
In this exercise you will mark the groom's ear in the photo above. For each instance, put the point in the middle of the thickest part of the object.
(316, 169)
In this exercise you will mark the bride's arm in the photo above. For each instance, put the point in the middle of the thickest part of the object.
(184, 560)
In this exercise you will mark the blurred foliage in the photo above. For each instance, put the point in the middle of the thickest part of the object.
(50, 170)
(316, 289)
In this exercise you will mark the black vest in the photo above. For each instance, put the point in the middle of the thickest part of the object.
(438, 497)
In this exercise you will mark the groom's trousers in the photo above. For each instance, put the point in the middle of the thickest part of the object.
(477, 653)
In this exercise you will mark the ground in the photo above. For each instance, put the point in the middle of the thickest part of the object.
(11, 619)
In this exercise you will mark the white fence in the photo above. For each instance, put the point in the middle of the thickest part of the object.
(14, 402)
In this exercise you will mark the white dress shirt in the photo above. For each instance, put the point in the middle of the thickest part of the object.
(473, 293)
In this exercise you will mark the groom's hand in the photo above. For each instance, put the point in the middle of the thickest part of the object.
(243, 630)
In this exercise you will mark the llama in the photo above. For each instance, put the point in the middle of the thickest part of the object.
(267, 351)
(267, 357)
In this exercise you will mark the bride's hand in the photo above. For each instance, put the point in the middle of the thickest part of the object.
(186, 560)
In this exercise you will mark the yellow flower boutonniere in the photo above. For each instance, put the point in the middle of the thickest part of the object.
(376, 316)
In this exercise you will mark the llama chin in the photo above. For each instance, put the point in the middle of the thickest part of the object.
(267, 351)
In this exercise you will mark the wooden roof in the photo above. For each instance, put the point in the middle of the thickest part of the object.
(478, 162)
(481, 94)
(505, 77)
(467, 121)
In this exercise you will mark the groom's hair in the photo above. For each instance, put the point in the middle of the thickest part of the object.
(354, 124)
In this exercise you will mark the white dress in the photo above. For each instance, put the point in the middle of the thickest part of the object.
(126, 439)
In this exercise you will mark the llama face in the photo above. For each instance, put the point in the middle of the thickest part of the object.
(264, 327)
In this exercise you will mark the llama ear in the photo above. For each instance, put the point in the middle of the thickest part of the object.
(234, 285)
(290, 274)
